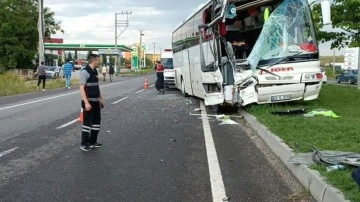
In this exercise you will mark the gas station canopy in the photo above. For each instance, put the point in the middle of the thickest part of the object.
(85, 47)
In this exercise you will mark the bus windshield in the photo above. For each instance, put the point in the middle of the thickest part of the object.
(287, 36)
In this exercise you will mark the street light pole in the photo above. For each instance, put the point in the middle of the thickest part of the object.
(140, 45)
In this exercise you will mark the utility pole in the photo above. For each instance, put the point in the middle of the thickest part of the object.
(121, 25)
(154, 43)
(41, 31)
(140, 46)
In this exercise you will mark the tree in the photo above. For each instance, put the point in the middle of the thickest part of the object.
(88, 54)
(51, 26)
(18, 32)
(69, 57)
(345, 17)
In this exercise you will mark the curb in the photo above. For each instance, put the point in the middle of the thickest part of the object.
(310, 179)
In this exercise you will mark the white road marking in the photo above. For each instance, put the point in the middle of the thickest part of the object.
(51, 98)
(8, 151)
(32, 102)
(151, 85)
(213, 115)
(216, 181)
(140, 91)
(67, 124)
(120, 100)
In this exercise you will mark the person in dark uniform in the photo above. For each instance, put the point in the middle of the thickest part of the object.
(92, 102)
(160, 77)
(236, 39)
(111, 72)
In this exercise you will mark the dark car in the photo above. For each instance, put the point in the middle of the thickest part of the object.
(349, 76)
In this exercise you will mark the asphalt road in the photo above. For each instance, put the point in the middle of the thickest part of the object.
(156, 148)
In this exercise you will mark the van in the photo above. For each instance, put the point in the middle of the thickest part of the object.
(169, 73)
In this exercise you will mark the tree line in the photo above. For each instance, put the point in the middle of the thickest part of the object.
(18, 32)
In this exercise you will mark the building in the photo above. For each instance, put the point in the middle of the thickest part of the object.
(153, 57)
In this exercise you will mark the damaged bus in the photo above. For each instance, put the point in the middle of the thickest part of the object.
(238, 52)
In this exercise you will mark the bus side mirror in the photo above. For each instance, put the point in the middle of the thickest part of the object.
(325, 10)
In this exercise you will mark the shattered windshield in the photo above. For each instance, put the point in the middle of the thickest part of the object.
(287, 32)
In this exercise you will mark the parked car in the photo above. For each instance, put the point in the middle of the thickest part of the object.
(349, 76)
(54, 72)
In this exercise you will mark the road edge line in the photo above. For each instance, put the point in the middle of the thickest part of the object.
(216, 180)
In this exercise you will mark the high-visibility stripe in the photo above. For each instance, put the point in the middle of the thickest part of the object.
(95, 128)
(94, 99)
(86, 127)
(92, 84)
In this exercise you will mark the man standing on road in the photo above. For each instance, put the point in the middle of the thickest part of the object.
(111, 72)
(92, 102)
(41, 76)
(68, 68)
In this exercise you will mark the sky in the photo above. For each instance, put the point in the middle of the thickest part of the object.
(93, 21)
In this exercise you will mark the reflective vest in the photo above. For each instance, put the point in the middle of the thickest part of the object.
(92, 88)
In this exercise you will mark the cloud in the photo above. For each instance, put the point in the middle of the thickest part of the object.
(93, 21)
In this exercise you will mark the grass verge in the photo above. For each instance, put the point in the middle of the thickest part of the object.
(325, 133)
(11, 84)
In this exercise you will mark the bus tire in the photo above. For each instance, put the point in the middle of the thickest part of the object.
(183, 89)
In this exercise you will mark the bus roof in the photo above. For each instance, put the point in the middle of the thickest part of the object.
(198, 9)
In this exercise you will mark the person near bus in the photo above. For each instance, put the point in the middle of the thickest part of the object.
(104, 71)
(236, 39)
(68, 68)
(92, 102)
(160, 77)
(41, 75)
(111, 72)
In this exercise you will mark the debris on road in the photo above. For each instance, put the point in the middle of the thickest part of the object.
(225, 120)
(226, 198)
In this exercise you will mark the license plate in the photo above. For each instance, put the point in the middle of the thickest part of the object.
(280, 97)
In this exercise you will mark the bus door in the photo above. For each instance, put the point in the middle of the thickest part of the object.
(211, 76)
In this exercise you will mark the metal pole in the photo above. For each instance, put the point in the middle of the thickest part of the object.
(116, 36)
(154, 53)
(358, 78)
(120, 24)
(41, 32)
(334, 62)
(140, 46)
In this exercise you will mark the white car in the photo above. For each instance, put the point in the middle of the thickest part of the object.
(54, 72)
(324, 80)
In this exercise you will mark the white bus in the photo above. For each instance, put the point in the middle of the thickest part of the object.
(277, 62)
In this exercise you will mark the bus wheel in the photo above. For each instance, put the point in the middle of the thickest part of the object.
(183, 90)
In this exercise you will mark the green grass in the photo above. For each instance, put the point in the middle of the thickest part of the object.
(325, 133)
(10, 84)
